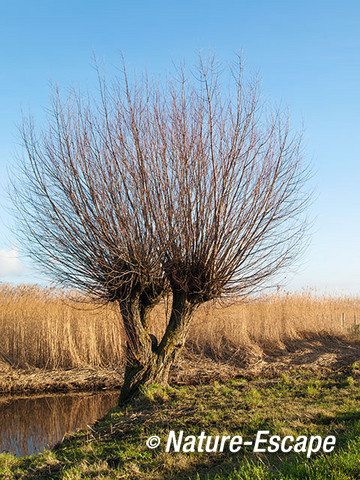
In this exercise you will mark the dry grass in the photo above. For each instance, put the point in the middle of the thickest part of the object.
(45, 329)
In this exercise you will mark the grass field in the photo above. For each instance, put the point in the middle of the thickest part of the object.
(297, 403)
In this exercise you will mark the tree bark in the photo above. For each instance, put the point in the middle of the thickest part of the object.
(146, 362)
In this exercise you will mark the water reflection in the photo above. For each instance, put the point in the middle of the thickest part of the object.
(30, 424)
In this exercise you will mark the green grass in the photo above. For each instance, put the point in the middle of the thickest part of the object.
(298, 403)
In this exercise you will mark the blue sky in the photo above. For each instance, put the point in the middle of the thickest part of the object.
(307, 54)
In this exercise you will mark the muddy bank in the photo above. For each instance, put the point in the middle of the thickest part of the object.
(34, 380)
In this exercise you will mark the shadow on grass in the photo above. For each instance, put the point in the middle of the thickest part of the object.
(118, 441)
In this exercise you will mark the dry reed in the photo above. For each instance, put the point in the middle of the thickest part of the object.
(44, 328)
(268, 322)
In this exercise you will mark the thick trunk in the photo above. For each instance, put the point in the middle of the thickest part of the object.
(142, 374)
(148, 363)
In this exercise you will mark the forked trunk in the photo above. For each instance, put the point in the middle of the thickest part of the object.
(148, 362)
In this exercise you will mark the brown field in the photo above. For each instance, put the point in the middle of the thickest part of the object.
(51, 340)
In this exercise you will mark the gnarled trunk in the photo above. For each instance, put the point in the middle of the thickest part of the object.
(148, 362)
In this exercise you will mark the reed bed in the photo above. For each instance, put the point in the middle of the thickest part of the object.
(268, 323)
(47, 328)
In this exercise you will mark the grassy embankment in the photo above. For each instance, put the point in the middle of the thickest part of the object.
(297, 403)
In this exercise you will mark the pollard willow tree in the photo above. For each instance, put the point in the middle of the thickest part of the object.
(182, 189)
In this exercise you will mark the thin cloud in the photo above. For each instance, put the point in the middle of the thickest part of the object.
(10, 263)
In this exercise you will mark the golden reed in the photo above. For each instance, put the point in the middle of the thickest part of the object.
(47, 328)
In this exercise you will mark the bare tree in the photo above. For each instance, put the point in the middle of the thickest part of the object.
(181, 190)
